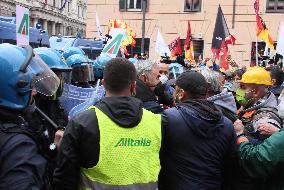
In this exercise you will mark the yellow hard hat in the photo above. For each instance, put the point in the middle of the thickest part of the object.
(256, 75)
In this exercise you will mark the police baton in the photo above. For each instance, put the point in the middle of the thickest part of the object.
(47, 118)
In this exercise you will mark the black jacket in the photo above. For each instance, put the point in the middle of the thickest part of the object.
(198, 140)
(148, 97)
(80, 145)
(21, 164)
(52, 109)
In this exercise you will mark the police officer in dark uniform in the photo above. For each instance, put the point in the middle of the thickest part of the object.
(51, 105)
(22, 75)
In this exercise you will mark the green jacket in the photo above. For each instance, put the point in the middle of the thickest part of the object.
(265, 160)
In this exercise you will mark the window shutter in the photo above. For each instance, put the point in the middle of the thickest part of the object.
(122, 5)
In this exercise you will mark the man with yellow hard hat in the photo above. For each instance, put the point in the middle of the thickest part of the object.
(259, 106)
(259, 158)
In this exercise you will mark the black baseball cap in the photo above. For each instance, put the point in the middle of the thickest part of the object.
(193, 83)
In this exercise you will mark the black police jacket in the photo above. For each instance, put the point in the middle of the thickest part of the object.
(21, 165)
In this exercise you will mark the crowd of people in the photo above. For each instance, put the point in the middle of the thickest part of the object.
(159, 125)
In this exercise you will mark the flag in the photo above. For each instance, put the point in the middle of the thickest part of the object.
(188, 46)
(230, 40)
(175, 47)
(161, 47)
(256, 6)
(224, 61)
(280, 42)
(22, 25)
(99, 29)
(262, 31)
(221, 39)
(64, 4)
(129, 37)
(113, 45)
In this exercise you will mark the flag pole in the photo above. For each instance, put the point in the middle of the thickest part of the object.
(256, 52)
(143, 27)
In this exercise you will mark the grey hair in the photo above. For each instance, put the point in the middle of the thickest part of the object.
(145, 66)
(212, 79)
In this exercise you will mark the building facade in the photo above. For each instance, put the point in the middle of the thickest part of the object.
(171, 17)
(66, 17)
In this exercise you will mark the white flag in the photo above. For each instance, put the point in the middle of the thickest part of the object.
(280, 42)
(161, 47)
(99, 29)
(22, 25)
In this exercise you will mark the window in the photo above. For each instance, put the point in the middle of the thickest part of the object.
(198, 47)
(192, 5)
(68, 6)
(131, 5)
(54, 1)
(132, 50)
(275, 6)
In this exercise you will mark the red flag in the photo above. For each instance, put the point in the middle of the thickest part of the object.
(221, 39)
(261, 30)
(224, 61)
(115, 24)
(175, 47)
(188, 46)
(231, 40)
(256, 6)
(221, 33)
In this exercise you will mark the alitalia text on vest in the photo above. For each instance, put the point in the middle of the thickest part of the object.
(133, 142)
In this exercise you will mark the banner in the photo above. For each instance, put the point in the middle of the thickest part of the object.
(22, 25)
(73, 96)
(129, 37)
(113, 45)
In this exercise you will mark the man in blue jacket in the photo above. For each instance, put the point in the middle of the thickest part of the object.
(198, 140)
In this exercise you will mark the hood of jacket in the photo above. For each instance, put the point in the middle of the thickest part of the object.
(202, 117)
(225, 100)
(268, 101)
(123, 110)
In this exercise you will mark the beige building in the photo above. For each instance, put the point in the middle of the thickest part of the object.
(170, 17)
(68, 21)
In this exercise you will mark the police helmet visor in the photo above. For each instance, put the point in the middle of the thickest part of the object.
(82, 72)
(44, 79)
(66, 77)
